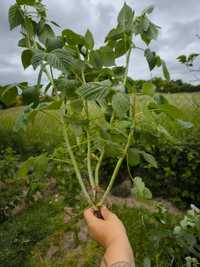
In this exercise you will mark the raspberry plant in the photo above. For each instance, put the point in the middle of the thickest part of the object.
(93, 99)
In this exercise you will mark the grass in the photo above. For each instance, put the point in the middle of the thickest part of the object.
(20, 234)
(25, 241)
(149, 238)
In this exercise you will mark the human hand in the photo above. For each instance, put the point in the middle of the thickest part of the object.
(107, 230)
(111, 234)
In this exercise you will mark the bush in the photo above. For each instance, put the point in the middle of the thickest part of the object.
(178, 175)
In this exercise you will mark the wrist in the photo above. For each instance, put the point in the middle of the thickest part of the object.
(119, 250)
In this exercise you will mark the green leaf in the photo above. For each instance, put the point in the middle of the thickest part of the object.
(72, 38)
(67, 87)
(141, 25)
(95, 59)
(23, 42)
(89, 40)
(148, 10)
(26, 2)
(140, 191)
(125, 17)
(133, 157)
(107, 56)
(26, 58)
(121, 104)
(15, 16)
(150, 159)
(104, 56)
(182, 59)
(53, 43)
(45, 33)
(31, 95)
(95, 90)
(148, 88)
(165, 71)
(25, 167)
(60, 59)
(37, 58)
(8, 95)
(40, 165)
(50, 106)
(150, 34)
(151, 58)
(115, 34)
(121, 47)
(76, 105)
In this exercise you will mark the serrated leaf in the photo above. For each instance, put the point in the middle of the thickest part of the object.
(115, 34)
(121, 47)
(37, 58)
(60, 59)
(148, 10)
(26, 2)
(15, 16)
(50, 105)
(53, 43)
(31, 95)
(8, 95)
(76, 105)
(121, 104)
(26, 58)
(125, 17)
(140, 191)
(148, 88)
(25, 167)
(67, 87)
(182, 59)
(150, 34)
(151, 58)
(165, 70)
(89, 40)
(45, 33)
(150, 159)
(72, 38)
(95, 90)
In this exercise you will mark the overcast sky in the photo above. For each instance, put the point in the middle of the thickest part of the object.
(179, 21)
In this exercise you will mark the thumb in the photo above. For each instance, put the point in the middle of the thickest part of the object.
(89, 216)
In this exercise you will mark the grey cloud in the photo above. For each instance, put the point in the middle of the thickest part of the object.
(179, 21)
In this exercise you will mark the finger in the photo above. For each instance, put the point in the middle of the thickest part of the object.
(89, 216)
(106, 213)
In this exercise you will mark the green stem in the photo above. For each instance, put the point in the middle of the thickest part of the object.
(89, 165)
(120, 160)
(127, 66)
(98, 167)
(75, 165)
(116, 170)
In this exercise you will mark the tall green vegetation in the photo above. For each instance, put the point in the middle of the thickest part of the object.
(95, 100)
